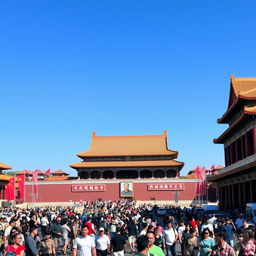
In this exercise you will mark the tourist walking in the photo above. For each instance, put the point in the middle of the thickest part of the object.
(191, 247)
(84, 245)
(222, 248)
(117, 243)
(153, 249)
(47, 245)
(132, 233)
(102, 243)
(32, 242)
(206, 243)
(57, 232)
(170, 236)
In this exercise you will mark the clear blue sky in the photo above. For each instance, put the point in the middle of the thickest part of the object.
(124, 67)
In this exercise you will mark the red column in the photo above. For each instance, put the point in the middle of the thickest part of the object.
(232, 160)
(237, 150)
(233, 196)
(246, 145)
(226, 156)
(251, 191)
(242, 147)
(254, 140)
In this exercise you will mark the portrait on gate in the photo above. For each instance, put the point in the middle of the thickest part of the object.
(126, 189)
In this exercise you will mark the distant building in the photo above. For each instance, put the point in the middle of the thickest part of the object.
(4, 179)
(237, 181)
(27, 174)
(59, 173)
(128, 157)
(139, 167)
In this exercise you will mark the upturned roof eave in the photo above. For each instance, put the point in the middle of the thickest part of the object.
(93, 154)
(224, 117)
(119, 164)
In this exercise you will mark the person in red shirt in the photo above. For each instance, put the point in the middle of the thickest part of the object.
(90, 226)
(193, 224)
(15, 245)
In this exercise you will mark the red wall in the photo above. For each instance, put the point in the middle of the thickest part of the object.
(62, 192)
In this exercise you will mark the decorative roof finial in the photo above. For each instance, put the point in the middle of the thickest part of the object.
(93, 134)
(232, 76)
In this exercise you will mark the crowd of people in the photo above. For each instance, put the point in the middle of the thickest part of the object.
(118, 227)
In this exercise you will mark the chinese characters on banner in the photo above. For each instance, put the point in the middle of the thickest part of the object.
(88, 188)
(166, 186)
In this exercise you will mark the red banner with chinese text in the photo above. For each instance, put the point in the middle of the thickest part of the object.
(88, 188)
(166, 186)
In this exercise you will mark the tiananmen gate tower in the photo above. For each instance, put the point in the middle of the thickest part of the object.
(139, 167)
(128, 157)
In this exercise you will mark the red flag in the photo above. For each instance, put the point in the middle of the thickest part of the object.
(7, 192)
(12, 189)
(198, 173)
(212, 168)
(198, 188)
(35, 180)
(198, 185)
(203, 184)
(48, 172)
(21, 183)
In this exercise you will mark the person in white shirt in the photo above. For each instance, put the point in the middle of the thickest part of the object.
(207, 224)
(7, 231)
(84, 245)
(102, 243)
(213, 220)
(181, 229)
(171, 236)
(144, 229)
(44, 224)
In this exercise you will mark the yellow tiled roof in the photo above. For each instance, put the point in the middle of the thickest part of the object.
(171, 163)
(56, 178)
(250, 110)
(24, 172)
(4, 177)
(59, 172)
(5, 166)
(240, 88)
(128, 146)
(246, 112)
(242, 85)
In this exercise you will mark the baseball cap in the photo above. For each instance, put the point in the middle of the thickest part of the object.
(101, 229)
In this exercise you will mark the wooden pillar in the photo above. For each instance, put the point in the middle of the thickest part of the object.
(244, 196)
(242, 147)
(246, 146)
(229, 198)
(239, 196)
(225, 155)
(251, 191)
(254, 140)
(237, 150)
(231, 153)
(233, 196)
(219, 197)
